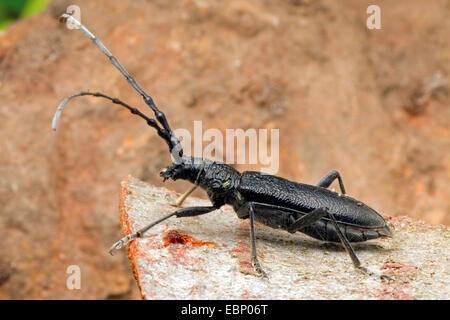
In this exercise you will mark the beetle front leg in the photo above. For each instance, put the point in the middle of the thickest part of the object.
(351, 252)
(183, 197)
(328, 179)
(184, 212)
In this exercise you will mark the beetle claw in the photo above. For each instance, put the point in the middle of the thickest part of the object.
(258, 268)
(385, 277)
(368, 272)
(122, 242)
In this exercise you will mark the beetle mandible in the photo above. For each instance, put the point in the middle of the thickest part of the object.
(271, 200)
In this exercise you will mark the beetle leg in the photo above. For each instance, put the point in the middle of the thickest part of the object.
(183, 212)
(351, 252)
(183, 197)
(346, 244)
(255, 261)
(329, 178)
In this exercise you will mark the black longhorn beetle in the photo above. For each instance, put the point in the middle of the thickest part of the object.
(271, 200)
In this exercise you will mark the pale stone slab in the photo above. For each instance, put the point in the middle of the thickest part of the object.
(299, 267)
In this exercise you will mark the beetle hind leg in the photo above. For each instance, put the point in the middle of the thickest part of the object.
(183, 212)
(317, 214)
(351, 252)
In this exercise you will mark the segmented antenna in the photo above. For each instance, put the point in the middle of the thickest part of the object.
(151, 122)
(165, 132)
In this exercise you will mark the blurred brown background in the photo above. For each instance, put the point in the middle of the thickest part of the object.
(373, 104)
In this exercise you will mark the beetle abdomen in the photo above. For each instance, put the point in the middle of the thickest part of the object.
(324, 230)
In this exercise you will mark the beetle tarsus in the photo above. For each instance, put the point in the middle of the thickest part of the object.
(328, 179)
(258, 268)
(122, 242)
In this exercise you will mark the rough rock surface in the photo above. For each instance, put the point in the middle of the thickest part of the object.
(208, 257)
(372, 104)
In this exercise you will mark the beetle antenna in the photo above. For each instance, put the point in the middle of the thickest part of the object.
(151, 122)
(174, 146)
